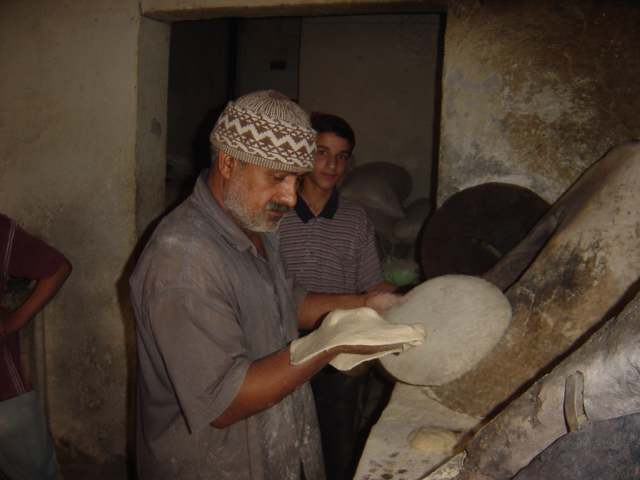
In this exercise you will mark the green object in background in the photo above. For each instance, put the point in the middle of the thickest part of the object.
(400, 272)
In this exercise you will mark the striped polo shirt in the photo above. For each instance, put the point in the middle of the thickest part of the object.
(334, 252)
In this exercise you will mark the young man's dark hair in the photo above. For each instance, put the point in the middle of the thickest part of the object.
(327, 123)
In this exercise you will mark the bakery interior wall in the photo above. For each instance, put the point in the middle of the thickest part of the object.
(532, 93)
(70, 130)
(535, 92)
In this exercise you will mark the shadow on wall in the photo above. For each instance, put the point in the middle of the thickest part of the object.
(182, 172)
(126, 311)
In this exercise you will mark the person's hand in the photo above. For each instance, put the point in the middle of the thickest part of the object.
(382, 302)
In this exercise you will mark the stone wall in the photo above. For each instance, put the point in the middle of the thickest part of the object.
(536, 91)
(67, 174)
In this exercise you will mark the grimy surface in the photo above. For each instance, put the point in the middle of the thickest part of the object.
(585, 429)
(578, 267)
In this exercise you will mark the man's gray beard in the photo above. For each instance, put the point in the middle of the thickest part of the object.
(235, 202)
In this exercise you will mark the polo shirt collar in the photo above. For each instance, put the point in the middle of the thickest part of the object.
(329, 210)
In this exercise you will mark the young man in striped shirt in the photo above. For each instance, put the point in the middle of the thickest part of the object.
(328, 243)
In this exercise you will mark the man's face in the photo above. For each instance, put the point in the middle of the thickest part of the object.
(258, 197)
(332, 156)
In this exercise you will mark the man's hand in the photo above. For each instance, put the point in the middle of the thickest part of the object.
(382, 302)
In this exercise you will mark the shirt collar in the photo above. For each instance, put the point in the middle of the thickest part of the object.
(223, 223)
(329, 210)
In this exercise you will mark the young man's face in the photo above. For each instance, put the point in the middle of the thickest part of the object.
(258, 197)
(332, 157)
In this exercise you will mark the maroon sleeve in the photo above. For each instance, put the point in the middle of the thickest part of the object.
(28, 256)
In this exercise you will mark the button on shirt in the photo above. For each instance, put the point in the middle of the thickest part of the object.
(206, 306)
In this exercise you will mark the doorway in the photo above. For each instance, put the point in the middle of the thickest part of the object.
(380, 72)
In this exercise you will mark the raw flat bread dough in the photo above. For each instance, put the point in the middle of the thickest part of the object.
(433, 440)
(465, 317)
(358, 326)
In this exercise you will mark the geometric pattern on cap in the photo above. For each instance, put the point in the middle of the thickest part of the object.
(259, 128)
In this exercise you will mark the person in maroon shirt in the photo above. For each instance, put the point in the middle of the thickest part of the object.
(26, 450)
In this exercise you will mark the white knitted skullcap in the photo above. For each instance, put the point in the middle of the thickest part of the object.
(268, 129)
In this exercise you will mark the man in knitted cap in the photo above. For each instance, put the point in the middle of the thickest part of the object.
(216, 311)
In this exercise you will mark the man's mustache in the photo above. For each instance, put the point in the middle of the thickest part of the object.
(277, 207)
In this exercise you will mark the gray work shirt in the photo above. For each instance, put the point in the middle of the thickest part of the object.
(206, 306)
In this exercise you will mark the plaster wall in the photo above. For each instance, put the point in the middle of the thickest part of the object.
(262, 42)
(378, 72)
(536, 91)
(68, 113)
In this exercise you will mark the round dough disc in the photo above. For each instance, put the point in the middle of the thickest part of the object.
(433, 440)
(465, 317)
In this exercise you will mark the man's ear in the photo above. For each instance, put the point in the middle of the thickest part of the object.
(225, 164)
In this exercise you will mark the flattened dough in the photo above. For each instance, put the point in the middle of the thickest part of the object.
(465, 317)
(359, 326)
(433, 440)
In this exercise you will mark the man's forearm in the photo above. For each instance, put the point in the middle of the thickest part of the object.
(268, 381)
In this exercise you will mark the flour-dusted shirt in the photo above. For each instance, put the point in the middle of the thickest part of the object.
(334, 252)
(206, 306)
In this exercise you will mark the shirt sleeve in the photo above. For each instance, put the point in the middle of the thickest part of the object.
(203, 350)
(298, 291)
(369, 268)
(30, 257)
